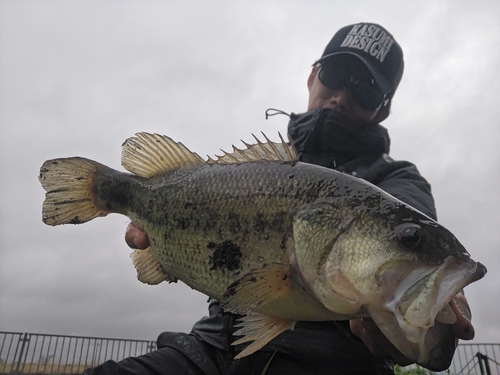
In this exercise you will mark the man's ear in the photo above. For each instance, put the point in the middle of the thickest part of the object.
(383, 113)
(312, 76)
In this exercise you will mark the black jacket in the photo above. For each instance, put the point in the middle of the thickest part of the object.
(325, 138)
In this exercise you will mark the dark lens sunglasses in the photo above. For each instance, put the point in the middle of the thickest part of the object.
(366, 93)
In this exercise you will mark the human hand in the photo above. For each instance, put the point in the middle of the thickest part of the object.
(136, 238)
(379, 345)
(463, 327)
(368, 331)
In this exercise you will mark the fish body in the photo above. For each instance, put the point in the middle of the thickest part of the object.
(275, 239)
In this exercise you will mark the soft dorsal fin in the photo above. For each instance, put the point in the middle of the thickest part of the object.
(147, 155)
(270, 151)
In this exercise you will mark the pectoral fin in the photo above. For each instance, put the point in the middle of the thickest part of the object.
(149, 270)
(260, 329)
(275, 289)
(257, 287)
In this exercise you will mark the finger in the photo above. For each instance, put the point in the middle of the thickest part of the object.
(463, 327)
(136, 238)
(368, 331)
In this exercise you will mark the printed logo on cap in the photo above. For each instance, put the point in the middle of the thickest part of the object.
(371, 39)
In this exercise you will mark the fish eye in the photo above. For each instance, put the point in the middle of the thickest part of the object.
(410, 235)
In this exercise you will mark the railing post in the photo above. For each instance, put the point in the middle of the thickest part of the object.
(151, 346)
(487, 365)
(483, 359)
(25, 338)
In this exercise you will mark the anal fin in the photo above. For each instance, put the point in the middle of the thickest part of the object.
(149, 270)
(260, 329)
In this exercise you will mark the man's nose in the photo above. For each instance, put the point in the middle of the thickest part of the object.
(341, 98)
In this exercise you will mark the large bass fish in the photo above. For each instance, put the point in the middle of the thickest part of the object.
(276, 240)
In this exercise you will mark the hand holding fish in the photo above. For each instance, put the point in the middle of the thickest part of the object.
(371, 335)
(463, 327)
(136, 238)
(367, 330)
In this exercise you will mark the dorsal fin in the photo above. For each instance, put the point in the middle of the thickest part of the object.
(268, 150)
(147, 155)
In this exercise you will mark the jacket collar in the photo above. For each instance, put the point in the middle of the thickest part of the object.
(325, 138)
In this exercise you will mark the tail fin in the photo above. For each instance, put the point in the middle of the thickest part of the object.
(69, 198)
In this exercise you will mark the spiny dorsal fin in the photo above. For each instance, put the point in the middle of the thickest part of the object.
(147, 155)
(270, 151)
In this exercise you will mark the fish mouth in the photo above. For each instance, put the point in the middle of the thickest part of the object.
(417, 316)
(424, 295)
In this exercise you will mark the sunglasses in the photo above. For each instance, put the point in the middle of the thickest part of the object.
(366, 93)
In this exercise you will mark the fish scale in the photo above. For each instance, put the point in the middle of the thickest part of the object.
(253, 213)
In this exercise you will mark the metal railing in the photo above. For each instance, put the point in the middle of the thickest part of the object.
(33, 353)
(477, 359)
(469, 359)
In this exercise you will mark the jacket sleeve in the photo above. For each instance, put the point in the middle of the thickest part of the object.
(403, 181)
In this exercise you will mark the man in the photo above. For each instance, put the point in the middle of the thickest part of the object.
(350, 92)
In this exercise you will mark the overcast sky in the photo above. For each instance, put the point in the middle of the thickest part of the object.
(79, 77)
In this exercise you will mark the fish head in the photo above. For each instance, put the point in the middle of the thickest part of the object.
(417, 292)
(402, 269)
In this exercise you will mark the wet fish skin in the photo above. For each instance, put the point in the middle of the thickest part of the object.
(269, 235)
(246, 219)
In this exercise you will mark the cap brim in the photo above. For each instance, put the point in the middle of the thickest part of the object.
(382, 81)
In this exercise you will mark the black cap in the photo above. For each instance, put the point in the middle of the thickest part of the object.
(375, 47)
